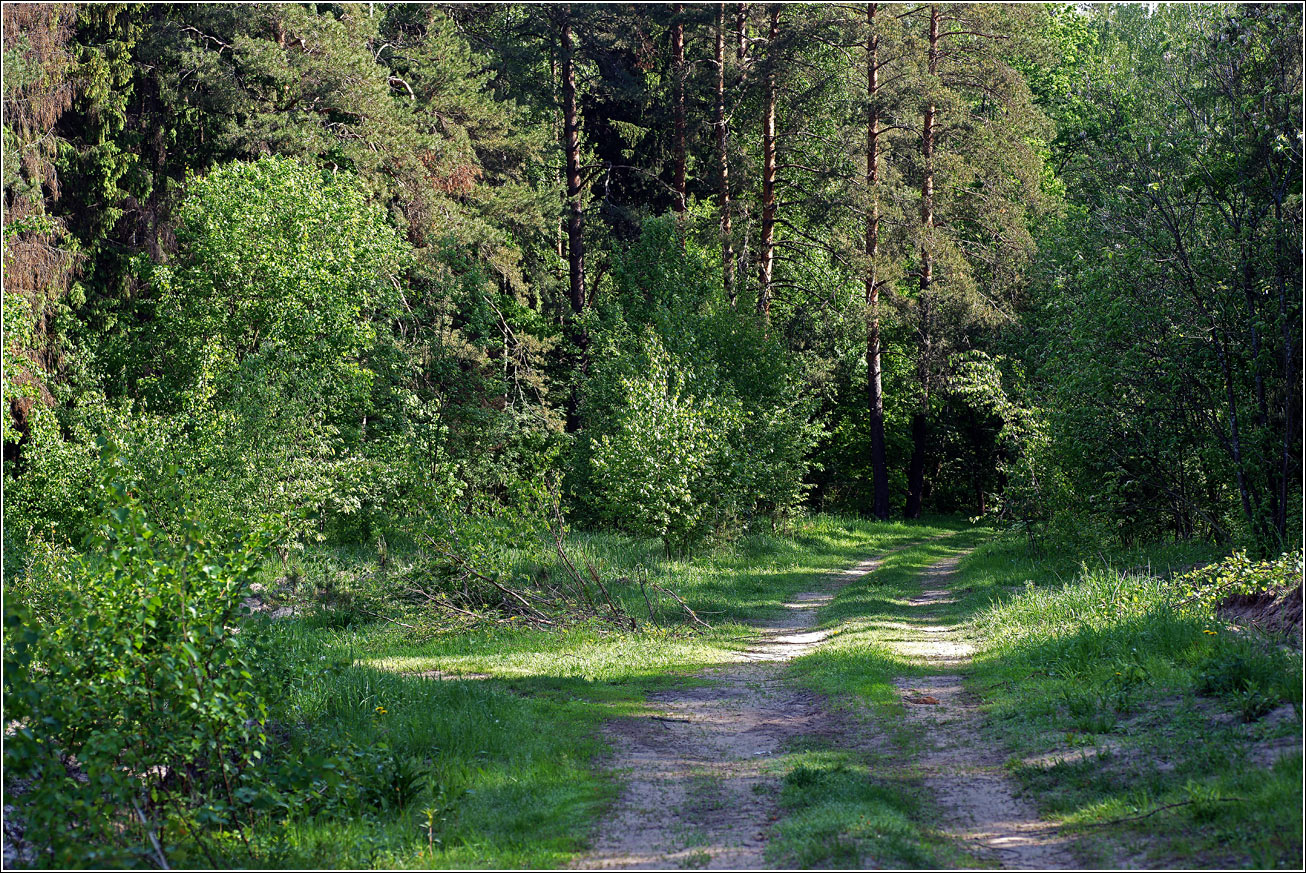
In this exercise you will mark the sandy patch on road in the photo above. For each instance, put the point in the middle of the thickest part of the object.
(960, 767)
(697, 793)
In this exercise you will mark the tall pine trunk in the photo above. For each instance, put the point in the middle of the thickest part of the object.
(723, 153)
(741, 33)
(920, 420)
(560, 226)
(875, 389)
(678, 73)
(768, 171)
(575, 221)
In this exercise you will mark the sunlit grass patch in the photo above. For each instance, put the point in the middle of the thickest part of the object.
(588, 653)
(855, 667)
(1114, 659)
(840, 812)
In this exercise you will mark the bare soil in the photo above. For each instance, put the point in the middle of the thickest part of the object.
(958, 765)
(1273, 612)
(696, 791)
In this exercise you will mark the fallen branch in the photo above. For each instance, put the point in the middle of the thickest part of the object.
(643, 588)
(385, 617)
(466, 569)
(683, 605)
(581, 585)
(154, 840)
(447, 605)
(618, 615)
(1115, 821)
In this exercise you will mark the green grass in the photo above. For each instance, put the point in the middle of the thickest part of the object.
(846, 809)
(498, 771)
(1101, 658)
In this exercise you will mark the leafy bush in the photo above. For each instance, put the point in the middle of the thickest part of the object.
(46, 495)
(284, 395)
(281, 268)
(662, 465)
(1239, 574)
(696, 422)
(138, 715)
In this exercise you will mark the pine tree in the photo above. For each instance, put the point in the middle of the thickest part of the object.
(875, 388)
(980, 186)
(723, 158)
(766, 265)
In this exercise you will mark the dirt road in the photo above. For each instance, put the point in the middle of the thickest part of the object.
(697, 790)
(694, 761)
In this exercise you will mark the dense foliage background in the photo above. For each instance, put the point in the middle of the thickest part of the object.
(280, 277)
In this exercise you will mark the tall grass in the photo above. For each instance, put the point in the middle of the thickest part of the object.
(1111, 655)
(497, 769)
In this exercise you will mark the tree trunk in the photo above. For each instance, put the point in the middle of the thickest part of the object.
(576, 219)
(1262, 420)
(768, 171)
(879, 464)
(916, 469)
(916, 474)
(741, 33)
(927, 155)
(1291, 373)
(723, 153)
(1235, 439)
(560, 228)
(678, 73)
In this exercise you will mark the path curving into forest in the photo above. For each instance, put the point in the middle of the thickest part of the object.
(695, 760)
(698, 790)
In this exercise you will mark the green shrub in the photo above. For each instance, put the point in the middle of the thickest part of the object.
(281, 268)
(697, 422)
(137, 716)
(1239, 574)
(270, 357)
(663, 465)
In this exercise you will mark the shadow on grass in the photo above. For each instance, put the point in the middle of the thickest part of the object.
(1075, 655)
(443, 773)
(497, 771)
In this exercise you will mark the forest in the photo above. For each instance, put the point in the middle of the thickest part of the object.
(664, 435)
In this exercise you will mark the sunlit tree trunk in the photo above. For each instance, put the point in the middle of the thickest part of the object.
(576, 218)
(768, 171)
(723, 154)
(879, 465)
(741, 32)
(678, 73)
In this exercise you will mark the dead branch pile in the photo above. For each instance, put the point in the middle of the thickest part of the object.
(546, 599)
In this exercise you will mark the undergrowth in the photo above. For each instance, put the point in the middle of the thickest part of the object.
(1191, 722)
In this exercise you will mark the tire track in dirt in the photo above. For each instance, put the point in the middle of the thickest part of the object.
(958, 765)
(696, 791)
